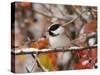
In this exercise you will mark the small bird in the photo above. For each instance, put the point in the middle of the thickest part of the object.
(58, 39)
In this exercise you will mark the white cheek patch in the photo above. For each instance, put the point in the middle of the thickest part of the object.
(59, 30)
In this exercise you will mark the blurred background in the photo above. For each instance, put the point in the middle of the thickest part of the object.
(29, 30)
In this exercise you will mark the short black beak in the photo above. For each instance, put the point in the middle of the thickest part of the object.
(48, 31)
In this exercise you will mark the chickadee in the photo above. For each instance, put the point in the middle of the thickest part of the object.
(58, 39)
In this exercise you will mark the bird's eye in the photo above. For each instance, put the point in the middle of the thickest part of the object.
(54, 27)
(35, 20)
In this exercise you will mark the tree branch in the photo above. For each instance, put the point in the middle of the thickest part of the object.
(36, 50)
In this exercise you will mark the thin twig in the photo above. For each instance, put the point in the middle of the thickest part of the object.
(53, 16)
(35, 63)
(27, 70)
(79, 13)
(81, 27)
(73, 19)
(38, 63)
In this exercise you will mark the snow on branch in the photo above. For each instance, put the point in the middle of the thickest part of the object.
(36, 50)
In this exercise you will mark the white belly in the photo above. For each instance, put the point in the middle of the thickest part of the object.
(63, 58)
(59, 41)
